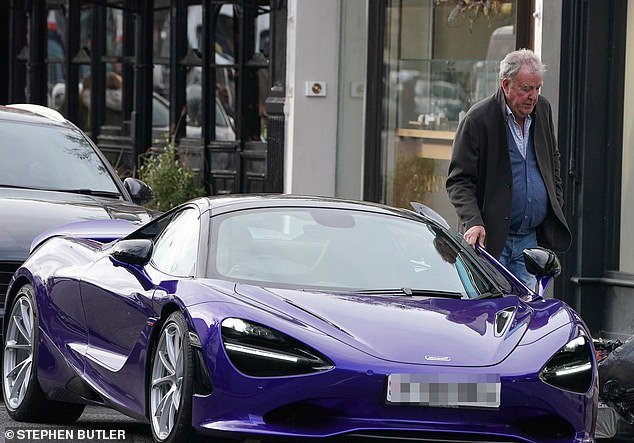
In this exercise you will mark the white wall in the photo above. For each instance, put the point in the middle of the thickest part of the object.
(627, 177)
(311, 122)
(352, 77)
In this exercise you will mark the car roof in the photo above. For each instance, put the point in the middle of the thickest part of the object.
(223, 204)
(33, 114)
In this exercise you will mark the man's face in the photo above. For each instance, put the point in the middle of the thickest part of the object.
(521, 92)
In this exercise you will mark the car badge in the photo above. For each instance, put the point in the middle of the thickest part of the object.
(437, 358)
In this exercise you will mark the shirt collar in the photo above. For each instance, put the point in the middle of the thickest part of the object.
(509, 114)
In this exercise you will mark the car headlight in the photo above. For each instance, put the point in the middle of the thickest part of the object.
(259, 351)
(571, 367)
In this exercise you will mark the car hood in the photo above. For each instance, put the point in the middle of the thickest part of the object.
(416, 330)
(24, 213)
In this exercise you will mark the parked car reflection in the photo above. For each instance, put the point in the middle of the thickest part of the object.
(160, 109)
(428, 100)
(439, 98)
(193, 128)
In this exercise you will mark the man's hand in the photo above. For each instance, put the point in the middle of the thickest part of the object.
(475, 234)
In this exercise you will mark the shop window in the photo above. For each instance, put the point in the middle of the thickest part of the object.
(441, 56)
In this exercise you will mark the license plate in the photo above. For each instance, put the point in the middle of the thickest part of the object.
(445, 390)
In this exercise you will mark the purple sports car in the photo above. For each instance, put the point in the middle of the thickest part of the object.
(295, 317)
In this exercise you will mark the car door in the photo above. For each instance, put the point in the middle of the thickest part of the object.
(117, 301)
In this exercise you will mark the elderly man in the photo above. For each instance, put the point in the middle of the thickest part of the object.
(504, 176)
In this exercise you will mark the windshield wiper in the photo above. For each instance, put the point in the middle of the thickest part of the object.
(84, 191)
(411, 292)
(93, 192)
(2, 185)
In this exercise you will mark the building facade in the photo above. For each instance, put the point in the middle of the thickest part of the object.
(407, 69)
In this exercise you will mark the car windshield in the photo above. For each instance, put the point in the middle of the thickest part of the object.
(318, 248)
(51, 157)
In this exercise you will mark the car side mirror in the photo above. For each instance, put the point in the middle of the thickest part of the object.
(543, 264)
(138, 190)
(132, 251)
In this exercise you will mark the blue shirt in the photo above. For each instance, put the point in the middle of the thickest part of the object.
(530, 198)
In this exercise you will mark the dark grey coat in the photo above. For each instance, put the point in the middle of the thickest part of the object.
(479, 182)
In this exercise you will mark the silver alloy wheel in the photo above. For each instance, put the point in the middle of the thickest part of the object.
(18, 352)
(167, 380)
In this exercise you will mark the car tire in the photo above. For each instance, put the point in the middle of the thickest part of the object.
(23, 396)
(170, 385)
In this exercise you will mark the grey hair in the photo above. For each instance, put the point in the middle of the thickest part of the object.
(513, 62)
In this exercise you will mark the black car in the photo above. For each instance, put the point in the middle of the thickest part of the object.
(53, 174)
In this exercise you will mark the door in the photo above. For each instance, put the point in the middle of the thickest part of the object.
(118, 305)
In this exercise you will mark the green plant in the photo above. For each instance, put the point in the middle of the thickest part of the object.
(171, 181)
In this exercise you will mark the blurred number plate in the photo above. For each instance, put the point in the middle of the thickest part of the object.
(445, 390)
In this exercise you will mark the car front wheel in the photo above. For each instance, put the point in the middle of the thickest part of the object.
(171, 386)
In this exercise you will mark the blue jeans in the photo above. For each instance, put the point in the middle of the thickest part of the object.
(513, 259)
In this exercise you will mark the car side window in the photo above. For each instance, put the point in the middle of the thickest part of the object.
(152, 229)
(176, 248)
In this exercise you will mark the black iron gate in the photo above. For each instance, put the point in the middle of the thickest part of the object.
(207, 75)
